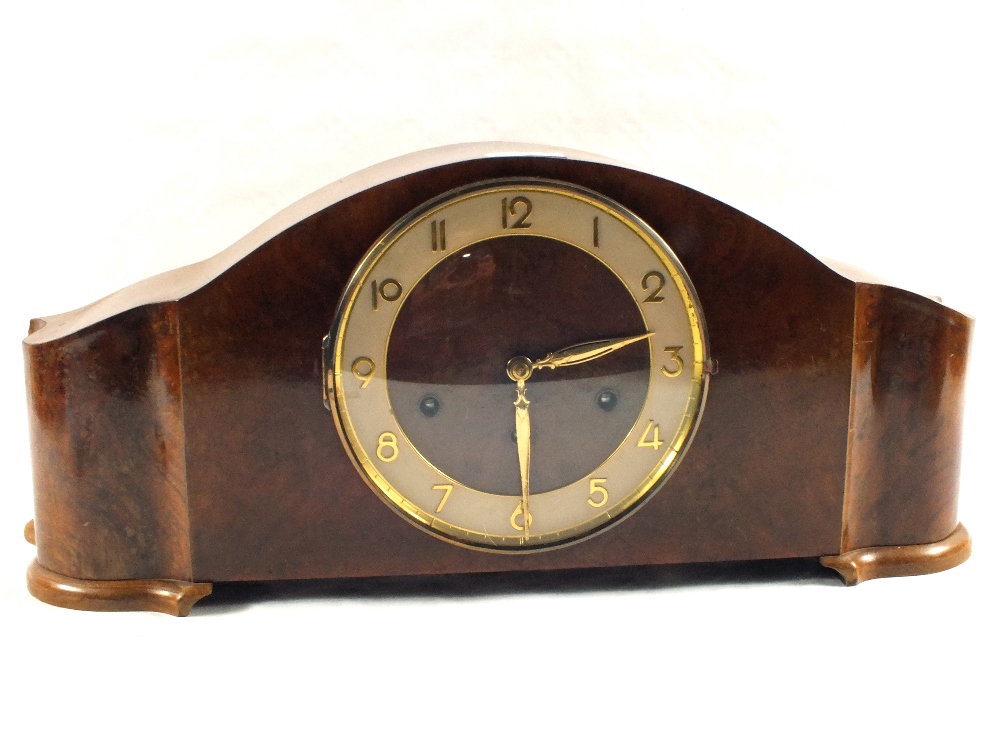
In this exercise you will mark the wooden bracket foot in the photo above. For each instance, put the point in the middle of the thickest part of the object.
(908, 560)
(169, 597)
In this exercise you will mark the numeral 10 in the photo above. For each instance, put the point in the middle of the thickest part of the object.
(390, 290)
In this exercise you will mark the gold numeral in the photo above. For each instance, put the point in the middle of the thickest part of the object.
(438, 238)
(674, 352)
(521, 222)
(651, 278)
(447, 488)
(387, 442)
(390, 290)
(518, 512)
(655, 443)
(596, 233)
(363, 369)
(595, 487)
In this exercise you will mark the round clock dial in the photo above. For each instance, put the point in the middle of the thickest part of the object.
(517, 364)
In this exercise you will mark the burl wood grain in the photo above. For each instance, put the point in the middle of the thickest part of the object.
(906, 421)
(188, 440)
(107, 433)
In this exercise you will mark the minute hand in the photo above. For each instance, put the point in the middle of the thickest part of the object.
(580, 353)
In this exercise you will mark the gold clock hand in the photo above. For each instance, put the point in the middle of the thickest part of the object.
(522, 425)
(519, 370)
(580, 353)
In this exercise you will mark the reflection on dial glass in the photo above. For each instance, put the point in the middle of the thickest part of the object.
(507, 297)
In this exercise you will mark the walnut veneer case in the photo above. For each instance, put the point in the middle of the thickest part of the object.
(345, 393)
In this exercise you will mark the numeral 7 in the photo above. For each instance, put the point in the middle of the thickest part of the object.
(447, 488)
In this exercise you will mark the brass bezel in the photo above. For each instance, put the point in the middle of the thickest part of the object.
(599, 523)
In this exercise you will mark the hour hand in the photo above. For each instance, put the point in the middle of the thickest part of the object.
(586, 352)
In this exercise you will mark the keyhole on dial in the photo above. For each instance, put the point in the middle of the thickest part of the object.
(429, 406)
(607, 400)
(513, 435)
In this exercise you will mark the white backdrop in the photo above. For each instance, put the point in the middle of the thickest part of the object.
(140, 137)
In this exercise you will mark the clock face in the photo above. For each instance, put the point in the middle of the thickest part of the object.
(517, 364)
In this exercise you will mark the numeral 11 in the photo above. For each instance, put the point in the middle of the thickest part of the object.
(438, 238)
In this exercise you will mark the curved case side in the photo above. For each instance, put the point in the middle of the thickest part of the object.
(107, 438)
(904, 449)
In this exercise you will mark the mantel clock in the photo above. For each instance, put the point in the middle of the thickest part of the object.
(515, 346)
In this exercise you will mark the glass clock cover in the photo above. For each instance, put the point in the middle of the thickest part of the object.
(517, 364)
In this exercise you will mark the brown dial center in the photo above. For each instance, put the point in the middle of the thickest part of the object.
(504, 298)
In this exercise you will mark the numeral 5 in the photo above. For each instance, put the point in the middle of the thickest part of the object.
(596, 488)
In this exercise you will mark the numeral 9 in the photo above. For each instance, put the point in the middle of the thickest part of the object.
(363, 369)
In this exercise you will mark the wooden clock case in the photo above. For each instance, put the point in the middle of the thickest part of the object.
(179, 435)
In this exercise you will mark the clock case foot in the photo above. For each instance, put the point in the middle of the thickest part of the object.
(169, 597)
(867, 563)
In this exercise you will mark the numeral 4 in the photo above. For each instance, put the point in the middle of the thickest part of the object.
(655, 443)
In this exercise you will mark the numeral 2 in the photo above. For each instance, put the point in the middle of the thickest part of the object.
(651, 278)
